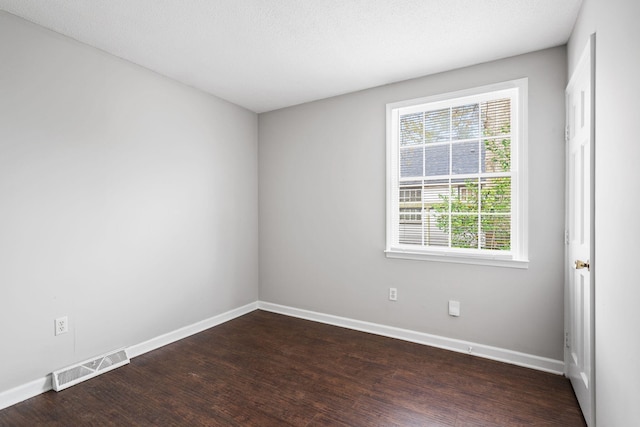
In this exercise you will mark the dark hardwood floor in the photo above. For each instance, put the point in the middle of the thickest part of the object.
(264, 369)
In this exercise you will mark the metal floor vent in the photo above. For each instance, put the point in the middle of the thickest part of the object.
(83, 371)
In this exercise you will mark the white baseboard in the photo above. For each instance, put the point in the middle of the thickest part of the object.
(42, 385)
(481, 350)
(187, 331)
(25, 391)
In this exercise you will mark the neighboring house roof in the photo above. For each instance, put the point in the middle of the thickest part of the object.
(463, 158)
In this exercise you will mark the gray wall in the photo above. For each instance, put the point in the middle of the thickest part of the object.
(616, 218)
(322, 217)
(127, 202)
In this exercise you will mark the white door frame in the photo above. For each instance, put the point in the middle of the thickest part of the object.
(586, 399)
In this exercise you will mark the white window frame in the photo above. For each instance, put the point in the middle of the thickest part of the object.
(517, 257)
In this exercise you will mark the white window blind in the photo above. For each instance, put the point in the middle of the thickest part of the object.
(456, 176)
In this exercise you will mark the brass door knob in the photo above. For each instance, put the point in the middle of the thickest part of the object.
(581, 264)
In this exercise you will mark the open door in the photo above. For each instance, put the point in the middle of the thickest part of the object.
(579, 283)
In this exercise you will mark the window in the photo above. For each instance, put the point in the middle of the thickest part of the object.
(456, 176)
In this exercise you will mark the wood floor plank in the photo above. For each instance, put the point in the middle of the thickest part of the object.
(265, 369)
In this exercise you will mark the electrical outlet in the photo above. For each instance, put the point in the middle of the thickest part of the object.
(62, 325)
(393, 294)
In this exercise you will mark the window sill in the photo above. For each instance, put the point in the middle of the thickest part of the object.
(459, 258)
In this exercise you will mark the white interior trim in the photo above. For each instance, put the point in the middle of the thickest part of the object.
(518, 256)
(178, 334)
(25, 391)
(460, 346)
(453, 257)
(42, 385)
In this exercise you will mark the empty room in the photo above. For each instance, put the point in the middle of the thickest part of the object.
(319, 212)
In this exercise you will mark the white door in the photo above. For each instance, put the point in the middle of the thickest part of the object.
(579, 294)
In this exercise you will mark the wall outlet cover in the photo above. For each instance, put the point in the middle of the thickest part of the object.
(454, 308)
(62, 325)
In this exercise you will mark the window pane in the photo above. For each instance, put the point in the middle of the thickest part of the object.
(410, 234)
(411, 159)
(437, 160)
(496, 155)
(465, 122)
(440, 234)
(464, 196)
(410, 194)
(436, 127)
(496, 195)
(410, 215)
(464, 231)
(496, 117)
(411, 129)
(434, 194)
(496, 232)
(465, 157)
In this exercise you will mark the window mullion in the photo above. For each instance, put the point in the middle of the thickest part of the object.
(449, 187)
(481, 132)
(424, 173)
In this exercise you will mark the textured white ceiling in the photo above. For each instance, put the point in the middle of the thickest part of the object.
(269, 54)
